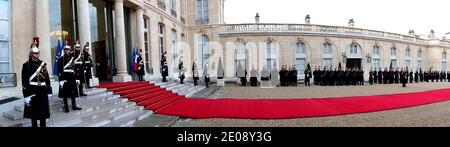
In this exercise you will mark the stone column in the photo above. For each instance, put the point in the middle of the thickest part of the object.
(43, 32)
(140, 35)
(84, 26)
(120, 48)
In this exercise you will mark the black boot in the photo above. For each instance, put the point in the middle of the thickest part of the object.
(74, 105)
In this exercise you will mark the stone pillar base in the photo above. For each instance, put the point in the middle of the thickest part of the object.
(220, 83)
(94, 82)
(122, 78)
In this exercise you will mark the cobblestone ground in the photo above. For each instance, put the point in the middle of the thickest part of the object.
(433, 115)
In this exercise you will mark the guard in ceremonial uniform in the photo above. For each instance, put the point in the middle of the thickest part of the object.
(416, 77)
(254, 77)
(141, 67)
(206, 74)
(79, 69)
(308, 75)
(36, 87)
(181, 70)
(404, 77)
(67, 79)
(371, 76)
(411, 77)
(87, 65)
(195, 74)
(164, 67)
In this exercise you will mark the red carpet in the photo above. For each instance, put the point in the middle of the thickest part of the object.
(167, 103)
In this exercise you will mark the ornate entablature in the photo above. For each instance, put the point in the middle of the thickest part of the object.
(261, 29)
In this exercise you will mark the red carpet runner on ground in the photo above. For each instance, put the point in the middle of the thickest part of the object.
(165, 102)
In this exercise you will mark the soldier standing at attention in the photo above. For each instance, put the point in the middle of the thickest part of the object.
(79, 69)
(36, 87)
(87, 64)
(67, 78)
(141, 68)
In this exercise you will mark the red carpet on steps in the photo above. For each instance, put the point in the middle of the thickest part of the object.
(167, 103)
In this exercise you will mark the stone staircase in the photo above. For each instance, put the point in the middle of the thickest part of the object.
(101, 108)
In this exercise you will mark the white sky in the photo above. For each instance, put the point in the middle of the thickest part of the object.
(397, 16)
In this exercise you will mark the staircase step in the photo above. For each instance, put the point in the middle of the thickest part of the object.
(156, 100)
(144, 88)
(149, 96)
(130, 120)
(127, 87)
(136, 95)
(102, 119)
(13, 115)
(165, 103)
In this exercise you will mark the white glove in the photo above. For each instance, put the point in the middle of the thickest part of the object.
(27, 100)
(61, 83)
(78, 81)
(50, 96)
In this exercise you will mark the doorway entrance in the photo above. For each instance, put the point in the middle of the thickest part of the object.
(354, 63)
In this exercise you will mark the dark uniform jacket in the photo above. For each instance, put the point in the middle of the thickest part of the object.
(36, 81)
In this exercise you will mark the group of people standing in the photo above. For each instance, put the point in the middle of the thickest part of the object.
(74, 70)
(390, 76)
(329, 76)
(288, 76)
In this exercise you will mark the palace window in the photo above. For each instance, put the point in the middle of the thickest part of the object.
(174, 46)
(161, 38)
(203, 50)
(202, 11)
(376, 57)
(394, 52)
(300, 58)
(5, 50)
(444, 61)
(353, 48)
(240, 55)
(271, 55)
(327, 54)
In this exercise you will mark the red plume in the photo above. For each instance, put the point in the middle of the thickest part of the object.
(36, 41)
(68, 42)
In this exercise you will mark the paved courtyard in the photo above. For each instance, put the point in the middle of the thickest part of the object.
(433, 115)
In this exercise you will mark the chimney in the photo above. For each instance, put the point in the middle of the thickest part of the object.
(307, 19)
(351, 23)
(257, 18)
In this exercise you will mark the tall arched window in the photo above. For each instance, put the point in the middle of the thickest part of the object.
(271, 54)
(419, 60)
(203, 49)
(394, 57)
(444, 61)
(174, 47)
(240, 55)
(408, 59)
(161, 38)
(327, 54)
(353, 48)
(202, 11)
(300, 57)
(376, 57)
(5, 50)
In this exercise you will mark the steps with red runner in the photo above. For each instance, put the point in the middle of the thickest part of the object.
(150, 96)
(137, 90)
(144, 94)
